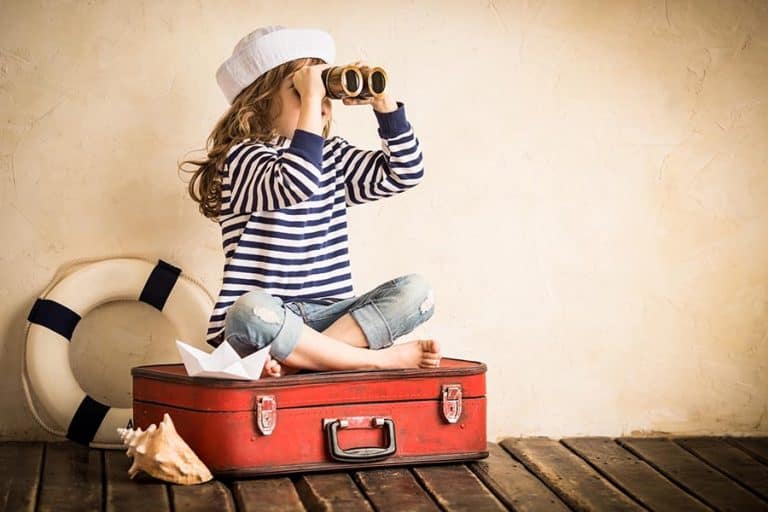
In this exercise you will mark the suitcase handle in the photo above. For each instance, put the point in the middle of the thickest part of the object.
(361, 454)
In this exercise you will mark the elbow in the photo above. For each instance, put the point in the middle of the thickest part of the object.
(302, 178)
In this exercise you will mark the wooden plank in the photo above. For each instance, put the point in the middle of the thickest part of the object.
(71, 478)
(266, 495)
(632, 475)
(20, 466)
(213, 495)
(122, 493)
(730, 460)
(693, 475)
(394, 489)
(755, 446)
(331, 491)
(455, 487)
(580, 486)
(517, 488)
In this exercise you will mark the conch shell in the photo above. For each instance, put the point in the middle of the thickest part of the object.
(162, 453)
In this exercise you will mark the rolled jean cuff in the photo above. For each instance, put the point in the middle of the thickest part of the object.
(288, 336)
(373, 325)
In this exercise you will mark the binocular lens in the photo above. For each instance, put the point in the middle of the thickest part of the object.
(352, 79)
(378, 82)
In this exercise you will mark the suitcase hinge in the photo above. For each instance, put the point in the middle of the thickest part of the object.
(266, 414)
(452, 402)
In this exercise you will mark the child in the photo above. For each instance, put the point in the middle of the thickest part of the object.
(279, 187)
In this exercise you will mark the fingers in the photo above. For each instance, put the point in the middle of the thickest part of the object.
(357, 101)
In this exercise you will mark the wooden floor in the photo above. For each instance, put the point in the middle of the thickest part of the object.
(532, 473)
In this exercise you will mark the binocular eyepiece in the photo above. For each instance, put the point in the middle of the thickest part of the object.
(354, 81)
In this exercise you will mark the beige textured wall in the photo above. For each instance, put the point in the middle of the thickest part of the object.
(594, 217)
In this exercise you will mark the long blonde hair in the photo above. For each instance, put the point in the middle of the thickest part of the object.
(247, 118)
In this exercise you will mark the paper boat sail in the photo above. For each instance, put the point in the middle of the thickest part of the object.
(223, 363)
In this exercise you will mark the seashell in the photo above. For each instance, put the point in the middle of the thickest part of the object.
(160, 452)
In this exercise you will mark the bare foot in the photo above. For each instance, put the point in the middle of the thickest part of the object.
(413, 354)
(289, 370)
(271, 368)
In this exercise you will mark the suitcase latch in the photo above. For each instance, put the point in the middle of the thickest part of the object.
(452, 402)
(266, 414)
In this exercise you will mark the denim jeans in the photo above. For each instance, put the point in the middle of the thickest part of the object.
(390, 310)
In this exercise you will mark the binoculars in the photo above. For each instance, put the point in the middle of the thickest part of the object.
(354, 81)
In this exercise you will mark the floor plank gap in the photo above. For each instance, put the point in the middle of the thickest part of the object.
(603, 473)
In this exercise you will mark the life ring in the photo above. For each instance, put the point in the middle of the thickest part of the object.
(52, 321)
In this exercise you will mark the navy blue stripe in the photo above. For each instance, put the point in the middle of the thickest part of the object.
(366, 177)
(327, 193)
(221, 303)
(256, 218)
(86, 421)
(159, 284)
(237, 151)
(288, 248)
(285, 236)
(306, 192)
(286, 273)
(288, 286)
(406, 165)
(404, 152)
(411, 176)
(295, 236)
(316, 295)
(296, 261)
(314, 178)
(318, 209)
(233, 227)
(54, 316)
(403, 138)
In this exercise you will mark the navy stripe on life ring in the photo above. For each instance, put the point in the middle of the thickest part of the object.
(86, 421)
(54, 316)
(159, 284)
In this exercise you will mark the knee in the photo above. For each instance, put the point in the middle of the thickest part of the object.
(417, 292)
(257, 303)
(255, 317)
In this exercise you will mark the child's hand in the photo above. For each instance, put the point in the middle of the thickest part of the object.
(271, 368)
(309, 81)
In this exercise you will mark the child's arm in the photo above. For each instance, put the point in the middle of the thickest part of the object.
(264, 178)
(372, 175)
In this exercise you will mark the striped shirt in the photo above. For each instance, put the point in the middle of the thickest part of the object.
(284, 211)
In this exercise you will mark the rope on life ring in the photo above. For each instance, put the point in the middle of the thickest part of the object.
(73, 293)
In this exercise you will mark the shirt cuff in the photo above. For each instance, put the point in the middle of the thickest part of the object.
(309, 146)
(392, 124)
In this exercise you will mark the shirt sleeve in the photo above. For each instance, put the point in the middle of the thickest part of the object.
(370, 175)
(262, 177)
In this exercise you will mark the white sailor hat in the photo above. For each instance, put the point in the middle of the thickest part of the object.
(268, 47)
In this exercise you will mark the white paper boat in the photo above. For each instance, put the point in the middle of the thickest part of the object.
(223, 362)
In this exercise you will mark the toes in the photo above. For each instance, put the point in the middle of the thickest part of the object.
(431, 347)
(272, 368)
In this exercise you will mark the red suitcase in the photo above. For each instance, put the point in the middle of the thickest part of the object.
(320, 420)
